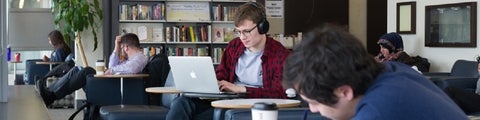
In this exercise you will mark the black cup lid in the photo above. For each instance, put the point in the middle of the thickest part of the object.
(265, 106)
(99, 60)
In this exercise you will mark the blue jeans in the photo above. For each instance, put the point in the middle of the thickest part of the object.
(184, 108)
(71, 81)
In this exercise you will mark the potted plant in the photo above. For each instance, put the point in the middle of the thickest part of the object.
(76, 16)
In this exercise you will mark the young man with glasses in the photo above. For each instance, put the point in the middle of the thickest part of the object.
(252, 63)
(75, 78)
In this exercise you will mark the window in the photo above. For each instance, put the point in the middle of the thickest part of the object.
(451, 25)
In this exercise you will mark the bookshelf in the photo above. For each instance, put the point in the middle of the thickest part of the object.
(174, 27)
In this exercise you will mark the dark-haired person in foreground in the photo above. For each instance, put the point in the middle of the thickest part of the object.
(75, 78)
(333, 72)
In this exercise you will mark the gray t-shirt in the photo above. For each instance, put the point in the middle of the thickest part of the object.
(249, 69)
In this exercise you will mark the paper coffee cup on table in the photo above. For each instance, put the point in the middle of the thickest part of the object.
(264, 111)
(100, 67)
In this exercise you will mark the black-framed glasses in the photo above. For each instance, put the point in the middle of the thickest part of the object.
(244, 32)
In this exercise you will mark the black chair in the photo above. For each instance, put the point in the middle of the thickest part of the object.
(283, 114)
(33, 69)
(460, 69)
(158, 68)
(140, 112)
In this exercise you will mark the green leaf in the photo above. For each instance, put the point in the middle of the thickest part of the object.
(77, 16)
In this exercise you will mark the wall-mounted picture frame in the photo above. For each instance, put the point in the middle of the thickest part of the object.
(406, 17)
(451, 25)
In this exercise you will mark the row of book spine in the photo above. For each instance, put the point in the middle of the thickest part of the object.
(142, 11)
(188, 51)
(223, 13)
(151, 51)
(184, 33)
(217, 54)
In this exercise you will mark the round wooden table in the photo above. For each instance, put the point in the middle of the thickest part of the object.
(49, 63)
(160, 90)
(121, 76)
(248, 103)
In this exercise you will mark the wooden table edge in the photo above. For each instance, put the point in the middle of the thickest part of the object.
(43, 62)
(218, 105)
(166, 90)
(122, 75)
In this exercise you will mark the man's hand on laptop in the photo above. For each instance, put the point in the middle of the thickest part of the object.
(230, 87)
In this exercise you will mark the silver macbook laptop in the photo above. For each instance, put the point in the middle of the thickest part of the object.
(194, 74)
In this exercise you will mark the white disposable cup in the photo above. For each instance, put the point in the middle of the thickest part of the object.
(264, 111)
(100, 67)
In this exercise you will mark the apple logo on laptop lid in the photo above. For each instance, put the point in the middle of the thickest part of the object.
(193, 75)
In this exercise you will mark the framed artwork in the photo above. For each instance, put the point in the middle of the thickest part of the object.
(451, 25)
(406, 18)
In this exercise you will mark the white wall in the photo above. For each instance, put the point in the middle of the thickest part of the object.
(441, 58)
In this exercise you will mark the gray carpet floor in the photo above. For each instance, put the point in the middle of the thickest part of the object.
(64, 113)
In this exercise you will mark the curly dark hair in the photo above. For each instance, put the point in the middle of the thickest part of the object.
(327, 58)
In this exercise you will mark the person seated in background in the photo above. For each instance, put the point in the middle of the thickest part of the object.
(391, 49)
(75, 78)
(334, 74)
(251, 64)
(469, 102)
(61, 49)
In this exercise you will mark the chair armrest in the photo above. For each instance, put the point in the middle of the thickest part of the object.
(283, 114)
(106, 91)
(459, 82)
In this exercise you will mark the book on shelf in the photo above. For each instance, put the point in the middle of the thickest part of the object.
(144, 12)
(218, 34)
(203, 33)
(159, 11)
(157, 34)
(142, 33)
(228, 34)
(168, 34)
(219, 12)
(217, 54)
(191, 34)
(183, 33)
(133, 12)
(176, 34)
(124, 11)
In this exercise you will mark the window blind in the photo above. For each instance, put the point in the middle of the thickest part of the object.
(28, 28)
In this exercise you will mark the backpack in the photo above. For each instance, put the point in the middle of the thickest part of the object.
(158, 68)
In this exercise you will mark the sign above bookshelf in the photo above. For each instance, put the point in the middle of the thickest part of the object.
(188, 11)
